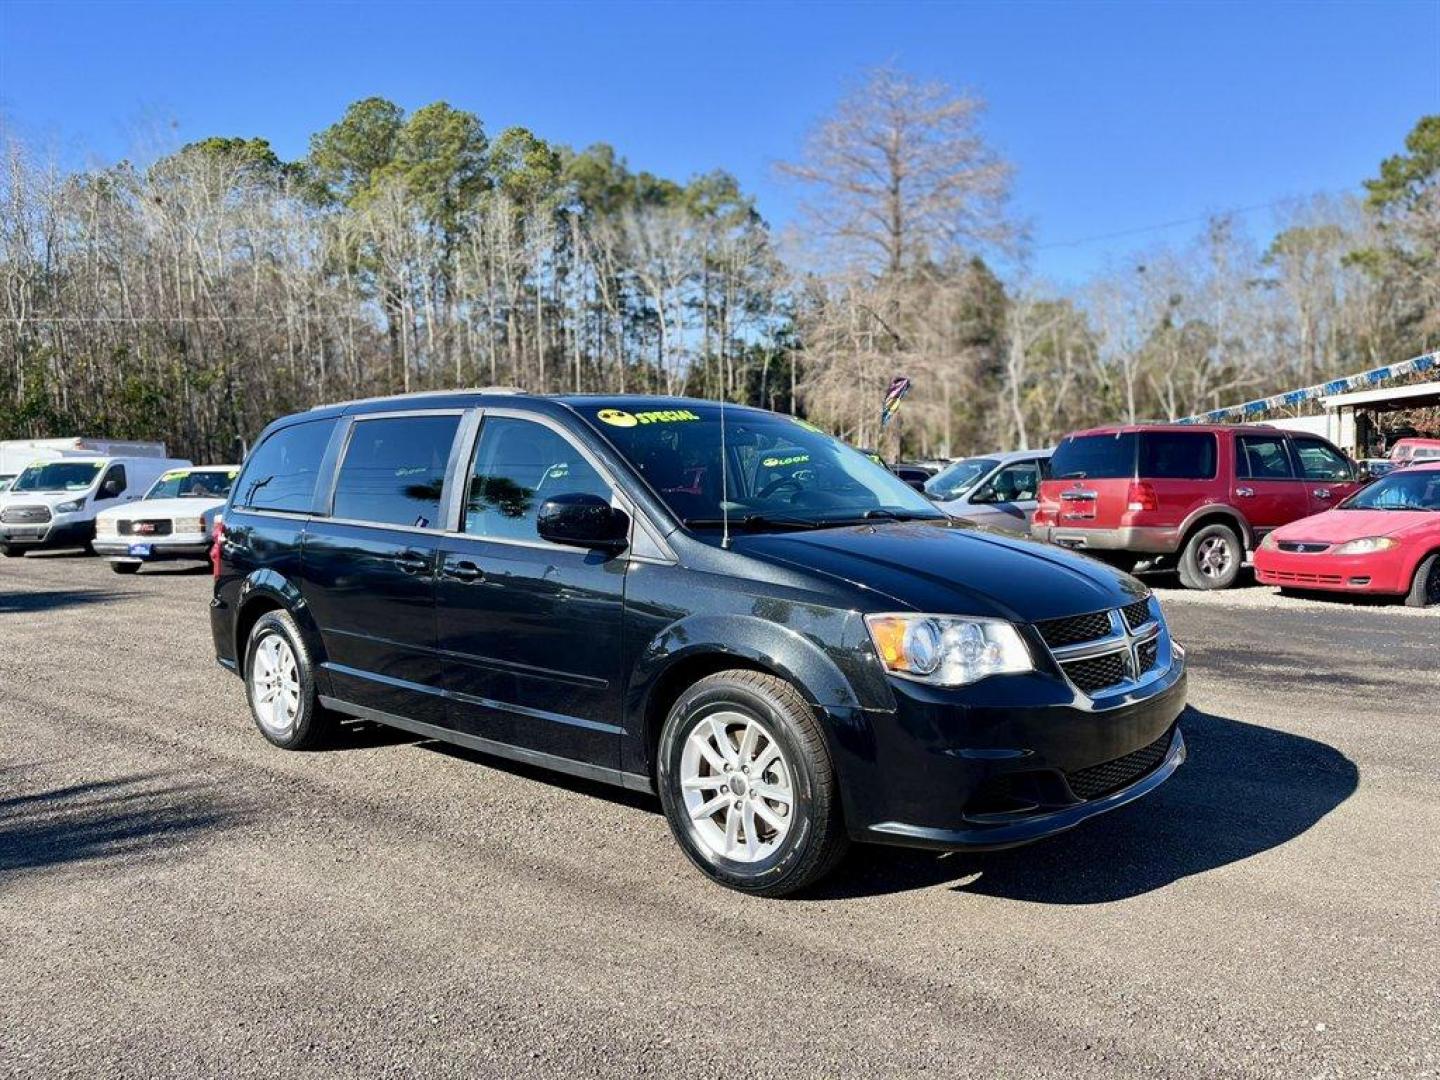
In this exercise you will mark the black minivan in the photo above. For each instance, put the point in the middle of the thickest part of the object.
(718, 604)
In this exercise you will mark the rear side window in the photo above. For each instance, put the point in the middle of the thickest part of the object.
(394, 470)
(518, 465)
(1095, 457)
(1177, 455)
(1320, 461)
(1262, 457)
(282, 470)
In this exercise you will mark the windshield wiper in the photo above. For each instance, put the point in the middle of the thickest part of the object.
(899, 515)
(751, 522)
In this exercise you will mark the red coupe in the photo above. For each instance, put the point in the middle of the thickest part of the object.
(1383, 539)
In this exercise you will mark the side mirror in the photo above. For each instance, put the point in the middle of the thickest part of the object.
(582, 520)
(110, 489)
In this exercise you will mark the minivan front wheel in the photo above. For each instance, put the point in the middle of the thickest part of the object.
(280, 684)
(1211, 558)
(747, 784)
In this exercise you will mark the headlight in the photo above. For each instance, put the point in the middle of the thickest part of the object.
(74, 506)
(947, 650)
(1366, 546)
(1269, 543)
(189, 525)
(106, 527)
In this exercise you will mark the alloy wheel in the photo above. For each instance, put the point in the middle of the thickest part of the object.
(1214, 557)
(737, 787)
(275, 685)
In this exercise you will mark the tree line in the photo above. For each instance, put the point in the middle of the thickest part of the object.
(198, 297)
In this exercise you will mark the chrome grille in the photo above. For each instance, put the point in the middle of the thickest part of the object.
(1136, 614)
(25, 515)
(1074, 629)
(158, 527)
(1108, 776)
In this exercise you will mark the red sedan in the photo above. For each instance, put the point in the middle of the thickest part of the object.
(1383, 539)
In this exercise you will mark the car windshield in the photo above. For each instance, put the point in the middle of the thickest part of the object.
(954, 480)
(200, 484)
(1404, 489)
(778, 471)
(57, 476)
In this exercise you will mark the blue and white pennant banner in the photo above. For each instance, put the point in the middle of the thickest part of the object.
(1417, 365)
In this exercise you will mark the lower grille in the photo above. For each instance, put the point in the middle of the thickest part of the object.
(1108, 776)
(25, 515)
(1075, 629)
(1286, 577)
(1097, 672)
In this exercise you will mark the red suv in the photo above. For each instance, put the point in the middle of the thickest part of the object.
(1204, 494)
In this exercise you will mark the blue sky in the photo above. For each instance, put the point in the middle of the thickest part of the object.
(1118, 116)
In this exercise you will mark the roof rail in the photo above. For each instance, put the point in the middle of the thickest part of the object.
(421, 394)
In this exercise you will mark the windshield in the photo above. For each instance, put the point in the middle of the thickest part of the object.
(1404, 489)
(779, 470)
(201, 484)
(954, 480)
(1094, 457)
(57, 476)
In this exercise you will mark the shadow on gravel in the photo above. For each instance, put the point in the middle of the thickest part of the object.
(115, 819)
(1243, 790)
(30, 603)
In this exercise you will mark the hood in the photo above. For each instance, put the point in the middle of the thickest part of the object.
(41, 498)
(1338, 526)
(950, 568)
(163, 508)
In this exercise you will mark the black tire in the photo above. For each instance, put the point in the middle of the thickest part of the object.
(10, 551)
(1425, 589)
(1200, 560)
(313, 726)
(125, 567)
(816, 841)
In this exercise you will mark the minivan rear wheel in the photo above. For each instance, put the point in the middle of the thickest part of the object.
(1425, 589)
(280, 685)
(747, 784)
(10, 551)
(1211, 558)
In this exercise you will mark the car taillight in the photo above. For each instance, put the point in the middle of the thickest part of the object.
(219, 535)
(1140, 497)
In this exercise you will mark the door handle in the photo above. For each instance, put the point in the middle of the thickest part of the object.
(463, 571)
(1322, 493)
(411, 563)
(1245, 493)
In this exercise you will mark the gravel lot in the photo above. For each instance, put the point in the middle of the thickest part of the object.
(177, 898)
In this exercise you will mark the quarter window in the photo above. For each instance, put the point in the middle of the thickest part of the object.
(1262, 457)
(518, 465)
(1177, 455)
(394, 470)
(1320, 461)
(281, 472)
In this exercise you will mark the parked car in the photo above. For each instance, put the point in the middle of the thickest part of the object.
(640, 591)
(174, 520)
(914, 474)
(52, 504)
(1409, 450)
(1204, 494)
(1384, 539)
(998, 490)
(1374, 468)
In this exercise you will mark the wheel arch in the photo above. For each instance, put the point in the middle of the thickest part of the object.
(1216, 514)
(267, 590)
(688, 651)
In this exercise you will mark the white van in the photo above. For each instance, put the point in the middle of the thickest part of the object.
(17, 454)
(52, 503)
(175, 519)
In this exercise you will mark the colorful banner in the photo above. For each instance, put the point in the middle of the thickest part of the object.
(1292, 398)
(899, 387)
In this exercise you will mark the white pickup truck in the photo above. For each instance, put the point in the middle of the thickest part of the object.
(175, 519)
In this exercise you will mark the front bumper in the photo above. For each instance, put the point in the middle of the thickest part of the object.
(1372, 573)
(56, 533)
(1004, 762)
(1149, 539)
(123, 549)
